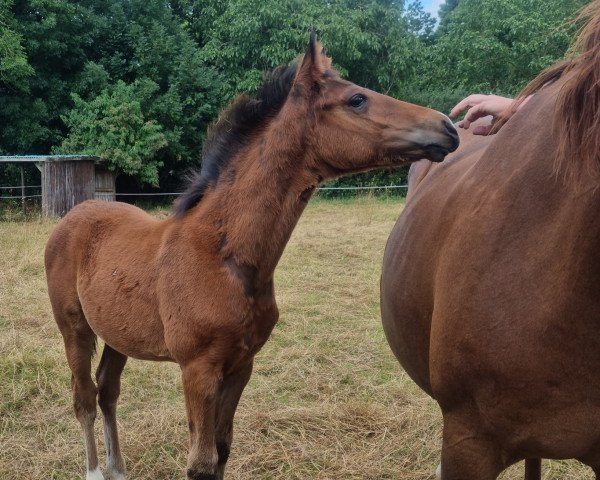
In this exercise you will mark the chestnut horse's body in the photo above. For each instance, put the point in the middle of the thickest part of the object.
(197, 288)
(490, 286)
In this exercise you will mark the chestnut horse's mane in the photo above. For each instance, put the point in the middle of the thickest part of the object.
(578, 106)
(233, 129)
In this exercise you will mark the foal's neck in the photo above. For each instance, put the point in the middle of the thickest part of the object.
(260, 197)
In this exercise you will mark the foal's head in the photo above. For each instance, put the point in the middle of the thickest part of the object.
(355, 129)
(305, 117)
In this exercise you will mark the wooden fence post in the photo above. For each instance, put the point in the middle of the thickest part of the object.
(23, 188)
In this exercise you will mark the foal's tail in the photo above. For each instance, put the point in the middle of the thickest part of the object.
(533, 469)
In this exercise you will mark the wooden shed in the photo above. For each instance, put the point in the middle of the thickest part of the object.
(70, 179)
(104, 183)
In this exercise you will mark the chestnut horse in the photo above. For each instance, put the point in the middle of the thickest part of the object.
(490, 285)
(197, 288)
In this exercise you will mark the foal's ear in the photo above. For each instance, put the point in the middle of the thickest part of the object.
(314, 65)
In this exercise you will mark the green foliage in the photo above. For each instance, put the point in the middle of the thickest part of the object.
(58, 38)
(368, 40)
(139, 81)
(439, 98)
(86, 47)
(113, 126)
(446, 9)
(498, 46)
(419, 22)
(13, 61)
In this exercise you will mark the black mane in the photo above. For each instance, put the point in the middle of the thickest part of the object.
(232, 131)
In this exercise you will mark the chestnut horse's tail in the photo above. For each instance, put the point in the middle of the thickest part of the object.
(533, 469)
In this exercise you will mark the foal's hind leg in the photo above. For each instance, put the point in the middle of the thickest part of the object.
(229, 396)
(108, 376)
(79, 346)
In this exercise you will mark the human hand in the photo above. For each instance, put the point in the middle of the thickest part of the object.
(480, 106)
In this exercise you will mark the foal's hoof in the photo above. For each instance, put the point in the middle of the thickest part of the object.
(94, 475)
(112, 475)
(438, 472)
(196, 475)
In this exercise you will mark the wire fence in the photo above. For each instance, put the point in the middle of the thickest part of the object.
(320, 189)
(384, 187)
(19, 192)
(18, 197)
(19, 188)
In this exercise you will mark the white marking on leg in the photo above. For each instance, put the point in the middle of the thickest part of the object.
(94, 475)
(116, 469)
(108, 434)
(91, 455)
(438, 472)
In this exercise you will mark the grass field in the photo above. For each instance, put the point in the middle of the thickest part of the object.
(327, 400)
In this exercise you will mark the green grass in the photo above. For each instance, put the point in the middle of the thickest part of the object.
(327, 399)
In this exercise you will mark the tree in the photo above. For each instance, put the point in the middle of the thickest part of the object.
(419, 22)
(491, 47)
(112, 126)
(14, 68)
(85, 47)
(446, 9)
(499, 46)
(189, 93)
(368, 40)
(57, 36)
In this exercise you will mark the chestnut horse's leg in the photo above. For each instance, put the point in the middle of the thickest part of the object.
(229, 396)
(533, 469)
(467, 453)
(79, 347)
(201, 384)
(108, 376)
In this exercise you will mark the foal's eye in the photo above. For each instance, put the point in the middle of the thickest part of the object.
(357, 100)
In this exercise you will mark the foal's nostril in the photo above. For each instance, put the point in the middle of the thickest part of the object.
(452, 133)
(449, 126)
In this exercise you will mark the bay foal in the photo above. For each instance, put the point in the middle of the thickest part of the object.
(197, 288)
(490, 285)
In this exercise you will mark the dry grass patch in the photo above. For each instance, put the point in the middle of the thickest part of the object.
(327, 399)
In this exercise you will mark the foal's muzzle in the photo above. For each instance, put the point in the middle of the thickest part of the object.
(441, 142)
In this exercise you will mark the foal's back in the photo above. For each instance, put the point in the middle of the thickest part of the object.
(101, 263)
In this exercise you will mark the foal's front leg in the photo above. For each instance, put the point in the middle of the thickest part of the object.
(201, 382)
(229, 396)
